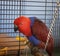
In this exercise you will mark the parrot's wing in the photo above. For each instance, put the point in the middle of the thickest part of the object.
(40, 30)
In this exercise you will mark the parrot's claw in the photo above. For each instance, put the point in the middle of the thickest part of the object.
(38, 52)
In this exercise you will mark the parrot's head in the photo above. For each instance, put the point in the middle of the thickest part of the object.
(22, 24)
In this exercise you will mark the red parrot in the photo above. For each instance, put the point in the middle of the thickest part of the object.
(36, 32)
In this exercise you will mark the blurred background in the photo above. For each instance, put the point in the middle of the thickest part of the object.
(11, 9)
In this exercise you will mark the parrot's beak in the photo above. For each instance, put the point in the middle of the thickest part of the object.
(15, 28)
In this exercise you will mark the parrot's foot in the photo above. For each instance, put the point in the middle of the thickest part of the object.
(38, 52)
(35, 51)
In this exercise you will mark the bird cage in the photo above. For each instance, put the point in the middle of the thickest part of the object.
(11, 9)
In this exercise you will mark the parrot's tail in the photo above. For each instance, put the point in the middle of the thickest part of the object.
(50, 48)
